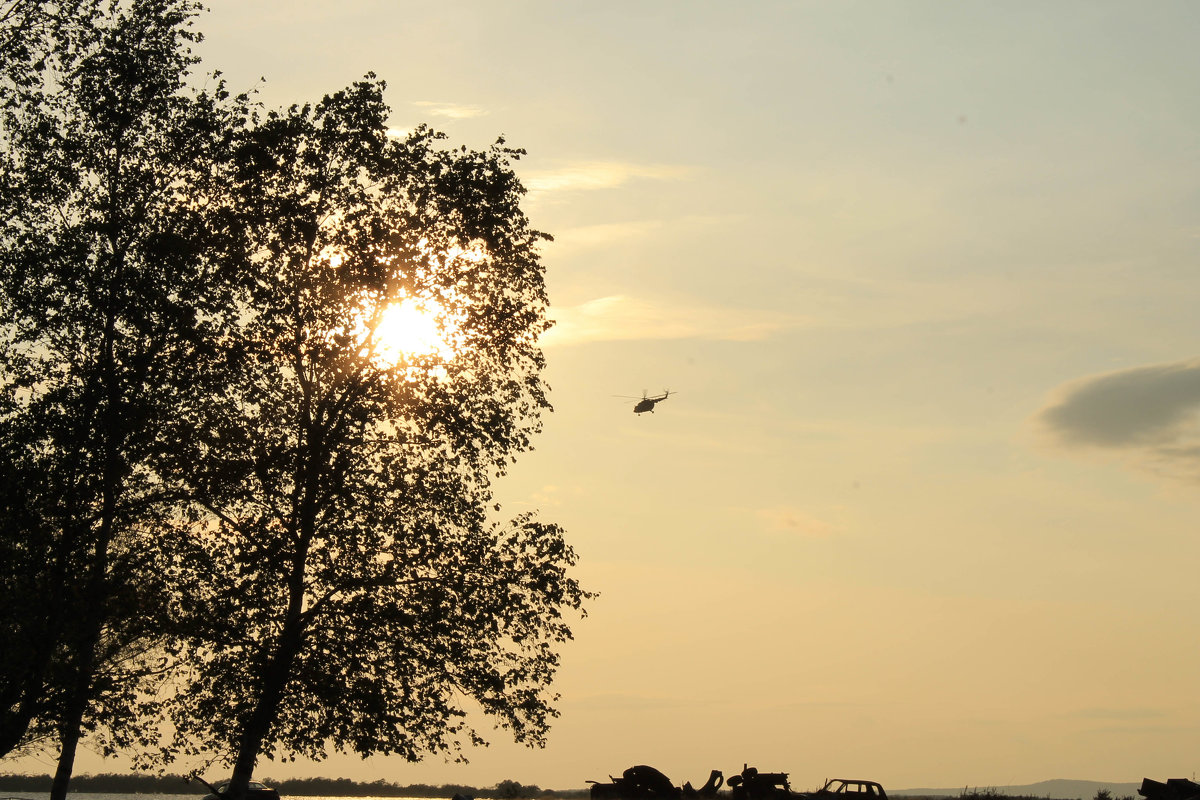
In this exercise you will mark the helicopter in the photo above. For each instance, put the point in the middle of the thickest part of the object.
(645, 403)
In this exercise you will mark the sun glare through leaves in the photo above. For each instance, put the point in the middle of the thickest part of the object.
(412, 324)
(419, 326)
(409, 328)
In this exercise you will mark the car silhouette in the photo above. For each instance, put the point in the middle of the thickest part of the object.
(254, 791)
(843, 789)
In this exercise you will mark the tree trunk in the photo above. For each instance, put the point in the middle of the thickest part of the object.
(70, 731)
(291, 638)
(80, 694)
(275, 678)
(265, 709)
(95, 593)
(24, 701)
(76, 701)
(14, 725)
(25, 698)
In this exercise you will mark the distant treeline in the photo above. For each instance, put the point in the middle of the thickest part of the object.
(114, 783)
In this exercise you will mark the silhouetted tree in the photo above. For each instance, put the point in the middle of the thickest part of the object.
(109, 253)
(352, 588)
(31, 605)
(512, 790)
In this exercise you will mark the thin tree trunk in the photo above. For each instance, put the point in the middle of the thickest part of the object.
(275, 678)
(291, 637)
(25, 699)
(265, 710)
(71, 723)
(95, 594)
(13, 727)
(23, 702)
(70, 732)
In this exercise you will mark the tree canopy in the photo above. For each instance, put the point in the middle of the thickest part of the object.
(356, 588)
(260, 370)
(108, 262)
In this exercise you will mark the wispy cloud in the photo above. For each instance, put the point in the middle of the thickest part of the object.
(794, 522)
(1146, 413)
(590, 175)
(449, 110)
(603, 234)
(621, 318)
(609, 233)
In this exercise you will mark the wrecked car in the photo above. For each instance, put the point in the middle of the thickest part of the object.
(642, 782)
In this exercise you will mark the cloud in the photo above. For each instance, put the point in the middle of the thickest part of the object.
(586, 236)
(450, 110)
(591, 175)
(604, 234)
(621, 318)
(783, 519)
(1133, 407)
(1147, 413)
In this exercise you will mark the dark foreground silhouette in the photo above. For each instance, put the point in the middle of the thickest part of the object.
(127, 784)
(1173, 789)
(647, 783)
(254, 791)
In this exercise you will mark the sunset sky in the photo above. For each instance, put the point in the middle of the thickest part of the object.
(926, 276)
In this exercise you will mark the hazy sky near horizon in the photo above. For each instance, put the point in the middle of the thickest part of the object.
(926, 277)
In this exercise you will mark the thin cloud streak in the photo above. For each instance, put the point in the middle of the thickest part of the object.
(450, 110)
(606, 234)
(621, 318)
(592, 175)
(602, 234)
(795, 522)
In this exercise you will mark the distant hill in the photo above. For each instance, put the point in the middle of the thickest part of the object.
(1056, 789)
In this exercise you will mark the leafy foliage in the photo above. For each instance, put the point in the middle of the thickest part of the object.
(214, 459)
(355, 590)
(108, 286)
(341, 494)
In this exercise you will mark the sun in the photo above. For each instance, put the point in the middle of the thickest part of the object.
(408, 328)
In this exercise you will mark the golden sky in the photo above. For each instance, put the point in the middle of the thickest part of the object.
(926, 277)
